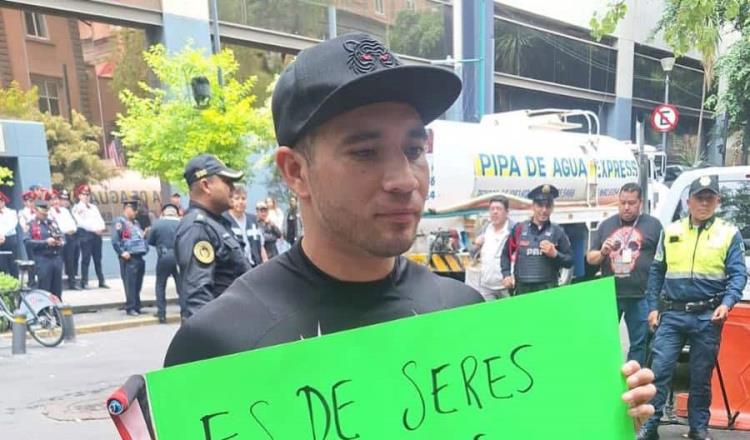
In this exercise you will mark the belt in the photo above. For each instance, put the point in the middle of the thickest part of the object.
(666, 305)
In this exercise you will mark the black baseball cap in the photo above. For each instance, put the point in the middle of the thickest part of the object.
(350, 71)
(205, 165)
(705, 183)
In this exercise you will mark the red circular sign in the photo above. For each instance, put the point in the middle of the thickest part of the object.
(664, 118)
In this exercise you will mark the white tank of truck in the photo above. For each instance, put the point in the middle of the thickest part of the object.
(510, 154)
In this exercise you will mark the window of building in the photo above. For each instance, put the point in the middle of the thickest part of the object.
(411, 5)
(648, 82)
(35, 25)
(49, 95)
(530, 52)
(380, 7)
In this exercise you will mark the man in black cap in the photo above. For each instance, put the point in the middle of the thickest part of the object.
(700, 268)
(350, 121)
(537, 249)
(45, 239)
(162, 238)
(208, 254)
(129, 243)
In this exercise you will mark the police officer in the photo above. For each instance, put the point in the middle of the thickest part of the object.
(700, 264)
(128, 240)
(45, 239)
(90, 230)
(64, 219)
(162, 238)
(246, 228)
(209, 255)
(537, 249)
(8, 241)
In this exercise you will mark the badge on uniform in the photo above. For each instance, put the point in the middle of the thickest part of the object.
(118, 226)
(204, 252)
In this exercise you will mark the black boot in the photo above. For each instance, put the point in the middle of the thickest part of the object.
(84, 284)
(72, 284)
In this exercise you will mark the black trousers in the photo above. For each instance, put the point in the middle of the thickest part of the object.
(8, 261)
(523, 288)
(91, 248)
(131, 272)
(71, 251)
(166, 266)
(49, 269)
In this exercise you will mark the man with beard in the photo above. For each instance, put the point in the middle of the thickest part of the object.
(350, 122)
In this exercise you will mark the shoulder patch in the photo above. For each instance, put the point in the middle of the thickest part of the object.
(204, 252)
(118, 225)
(200, 218)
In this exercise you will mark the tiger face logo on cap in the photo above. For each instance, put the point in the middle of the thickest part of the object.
(367, 54)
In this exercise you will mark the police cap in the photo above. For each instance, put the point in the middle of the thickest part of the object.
(205, 165)
(132, 203)
(705, 183)
(543, 194)
(41, 204)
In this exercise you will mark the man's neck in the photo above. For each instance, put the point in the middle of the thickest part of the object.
(344, 262)
(236, 214)
(698, 223)
(499, 226)
(538, 222)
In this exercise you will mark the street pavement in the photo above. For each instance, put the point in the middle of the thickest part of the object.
(60, 392)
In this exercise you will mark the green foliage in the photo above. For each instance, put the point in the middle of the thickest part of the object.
(608, 23)
(130, 67)
(73, 150)
(418, 33)
(261, 64)
(299, 17)
(164, 130)
(8, 287)
(16, 103)
(512, 44)
(735, 101)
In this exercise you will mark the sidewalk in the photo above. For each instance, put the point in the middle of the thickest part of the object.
(96, 309)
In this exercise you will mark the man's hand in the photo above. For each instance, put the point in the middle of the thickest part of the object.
(607, 246)
(640, 392)
(548, 248)
(51, 241)
(720, 314)
(125, 255)
(509, 282)
(653, 320)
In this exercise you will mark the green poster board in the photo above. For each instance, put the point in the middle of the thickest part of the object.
(540, 366)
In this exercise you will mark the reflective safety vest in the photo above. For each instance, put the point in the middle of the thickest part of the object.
(696, 259)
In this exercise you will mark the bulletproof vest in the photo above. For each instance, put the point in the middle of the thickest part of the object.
(132, 238)
(531, 265)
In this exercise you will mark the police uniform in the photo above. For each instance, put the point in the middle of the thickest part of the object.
(8, 228)
(47, 257)
(698, 268)
(127, 236)
(90, 225)
(250, 235)
(162, 238)
(68, 226)
(208, 254)
(522, 256)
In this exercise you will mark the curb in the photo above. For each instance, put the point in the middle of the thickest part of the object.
(123, 324)
(87, 308)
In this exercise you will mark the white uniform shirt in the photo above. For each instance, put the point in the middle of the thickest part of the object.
(64, 219)
(88, 217)
(8, 222)
(492, 277)
(25, 216)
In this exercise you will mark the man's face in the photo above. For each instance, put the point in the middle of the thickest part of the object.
(498, 213)
(129, 212)
(175, 201)
(220, 192)
(239, 203)
(368, 178)
(542, 211)
(703, 205)
(41, 213)
(293, 202)
(629, 205)
(29, 204)
(55, 203)
(262, 213)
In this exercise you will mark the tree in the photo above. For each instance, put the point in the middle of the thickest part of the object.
(164, 130)
(73, 148)
(74, 151)
(130, 69)
(418, 33)
(735, 101)
(687, 25)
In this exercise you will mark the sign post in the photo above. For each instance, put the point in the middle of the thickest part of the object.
(664, 118)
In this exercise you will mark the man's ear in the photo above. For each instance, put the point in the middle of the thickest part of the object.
(293, 167)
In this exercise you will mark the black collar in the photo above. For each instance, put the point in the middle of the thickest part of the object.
(219, 218)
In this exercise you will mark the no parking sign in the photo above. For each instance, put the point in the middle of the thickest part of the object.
(664, 118)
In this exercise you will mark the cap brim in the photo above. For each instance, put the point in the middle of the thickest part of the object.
(712, 190)
(430, 90)
(231, 174)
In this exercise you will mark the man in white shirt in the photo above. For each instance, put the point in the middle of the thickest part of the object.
(68, 226)
(90, 230)
(28, 212)
(8, 238)
(490, 244)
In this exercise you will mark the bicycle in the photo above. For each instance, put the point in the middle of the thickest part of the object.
(42, 309)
